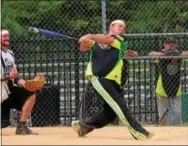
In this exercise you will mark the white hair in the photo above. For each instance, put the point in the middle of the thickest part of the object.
(4, 32)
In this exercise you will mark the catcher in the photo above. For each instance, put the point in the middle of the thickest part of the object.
(168, 87)
(16, 92)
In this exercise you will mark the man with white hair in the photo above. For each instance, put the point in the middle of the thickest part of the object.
(104, 72)
(13, 95)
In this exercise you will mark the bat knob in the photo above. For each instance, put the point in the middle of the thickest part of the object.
(33, 30)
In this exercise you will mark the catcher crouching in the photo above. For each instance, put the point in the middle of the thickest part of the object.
(16, 92)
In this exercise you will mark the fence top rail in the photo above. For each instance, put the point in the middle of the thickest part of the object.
(128, 35)
(45, 65)
(155, 57)
(177, 34)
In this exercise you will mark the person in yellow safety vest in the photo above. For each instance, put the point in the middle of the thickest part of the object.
(168, 86)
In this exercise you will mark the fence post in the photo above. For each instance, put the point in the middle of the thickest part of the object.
(152, 91)
(77, 84)
(103, 7)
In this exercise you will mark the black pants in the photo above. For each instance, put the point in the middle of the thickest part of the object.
(15, 100)
(114, 105)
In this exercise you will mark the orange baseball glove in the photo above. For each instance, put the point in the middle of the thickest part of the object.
(36, 83)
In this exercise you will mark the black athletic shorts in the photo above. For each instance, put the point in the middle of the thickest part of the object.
(16, 100)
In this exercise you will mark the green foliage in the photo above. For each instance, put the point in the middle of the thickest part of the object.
(78, 17)
(64, 16)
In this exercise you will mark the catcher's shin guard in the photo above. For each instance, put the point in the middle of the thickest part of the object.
(80, 129)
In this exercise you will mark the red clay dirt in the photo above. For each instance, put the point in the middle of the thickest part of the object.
(104, 136)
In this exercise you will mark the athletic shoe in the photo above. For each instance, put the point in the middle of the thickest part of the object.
(24, 130)
(79, 129)
(140, 135)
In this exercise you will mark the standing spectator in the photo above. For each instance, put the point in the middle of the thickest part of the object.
(168, 87)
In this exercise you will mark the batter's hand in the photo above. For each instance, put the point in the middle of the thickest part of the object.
(85, 42)
(85, 37)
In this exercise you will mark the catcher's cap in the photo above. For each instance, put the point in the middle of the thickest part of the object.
(118, 22)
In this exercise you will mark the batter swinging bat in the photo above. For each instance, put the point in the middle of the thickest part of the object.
(50, 33)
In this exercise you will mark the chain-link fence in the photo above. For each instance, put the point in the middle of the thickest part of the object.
(149, 25)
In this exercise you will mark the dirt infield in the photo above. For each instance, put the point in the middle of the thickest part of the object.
(104, 136)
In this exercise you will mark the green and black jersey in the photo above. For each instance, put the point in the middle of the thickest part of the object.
(168, 83)
(107, 60)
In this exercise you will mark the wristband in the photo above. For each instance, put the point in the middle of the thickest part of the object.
(7, 77)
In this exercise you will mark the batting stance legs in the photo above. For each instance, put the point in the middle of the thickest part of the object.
(114, 106)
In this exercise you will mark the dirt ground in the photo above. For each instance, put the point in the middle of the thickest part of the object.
(104, 136)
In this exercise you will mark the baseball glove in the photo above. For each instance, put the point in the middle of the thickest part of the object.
(130, 53)
(171, 52)
(36, 83)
